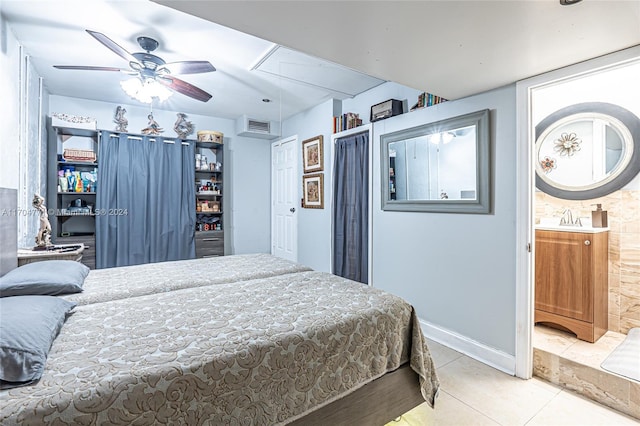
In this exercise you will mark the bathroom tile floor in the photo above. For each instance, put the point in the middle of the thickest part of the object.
(561, 343)
(473, 393)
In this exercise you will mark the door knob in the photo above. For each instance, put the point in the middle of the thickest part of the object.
(587, 243)
(292, 209)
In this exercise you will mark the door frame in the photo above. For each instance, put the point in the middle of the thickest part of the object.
(279, 142)
(360, 129)
(525, 189)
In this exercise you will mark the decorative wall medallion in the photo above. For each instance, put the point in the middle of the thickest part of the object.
(567, 144)
(548, 164)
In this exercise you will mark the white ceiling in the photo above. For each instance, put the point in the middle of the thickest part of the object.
(53, 33)
(449, 48)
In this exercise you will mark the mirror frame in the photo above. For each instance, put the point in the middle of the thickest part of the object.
(626, 175)
(482, 203)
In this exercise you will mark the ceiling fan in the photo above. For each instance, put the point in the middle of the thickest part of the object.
(149, 67)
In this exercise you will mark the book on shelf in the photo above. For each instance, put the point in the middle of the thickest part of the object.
(426, 100)
(346, 121)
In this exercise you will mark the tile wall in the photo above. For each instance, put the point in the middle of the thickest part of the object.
(624, 248)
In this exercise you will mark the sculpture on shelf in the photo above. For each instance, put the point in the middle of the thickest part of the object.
(120, 120)
(183, 127)
(153, 128)
(43, 239)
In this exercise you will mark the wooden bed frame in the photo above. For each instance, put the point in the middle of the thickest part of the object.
(375, 403)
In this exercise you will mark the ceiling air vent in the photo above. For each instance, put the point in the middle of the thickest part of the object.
(253, 128)
(258, 126)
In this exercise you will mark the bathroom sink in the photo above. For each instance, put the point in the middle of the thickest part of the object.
(553, 224)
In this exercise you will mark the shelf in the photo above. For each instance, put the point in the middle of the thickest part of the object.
(209, 145)
(72, 131)
(78, 163)
(197, 212)
(76, 193)
(207, 194)
(208, 171)
(74, 214)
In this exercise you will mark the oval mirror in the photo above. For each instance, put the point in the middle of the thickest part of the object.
(587, 150)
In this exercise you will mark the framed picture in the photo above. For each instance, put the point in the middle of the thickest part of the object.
(312, 159)
(313, 190)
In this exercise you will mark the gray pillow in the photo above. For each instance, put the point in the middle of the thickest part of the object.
(48, 278)
(28, 327)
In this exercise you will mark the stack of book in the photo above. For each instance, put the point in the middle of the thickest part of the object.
(346, 121)
(427, 100)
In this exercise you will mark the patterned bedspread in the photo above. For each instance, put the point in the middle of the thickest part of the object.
(261, 352)
(102, 285)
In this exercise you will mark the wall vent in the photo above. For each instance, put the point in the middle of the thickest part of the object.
(253, 128)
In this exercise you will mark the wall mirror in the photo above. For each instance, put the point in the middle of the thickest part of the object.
(587, 150)
(438, 167)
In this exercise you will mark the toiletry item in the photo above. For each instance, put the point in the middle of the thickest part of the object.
(63, 184)
(71, 180)
(599, 217)
(78, 179)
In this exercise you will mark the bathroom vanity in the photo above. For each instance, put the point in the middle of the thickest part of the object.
(572, 279)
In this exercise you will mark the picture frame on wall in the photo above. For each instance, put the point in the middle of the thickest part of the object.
(312, 155)
(313, 191)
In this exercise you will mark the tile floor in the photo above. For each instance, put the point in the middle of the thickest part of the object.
(569, 346)
(560, 358)
(473, 393)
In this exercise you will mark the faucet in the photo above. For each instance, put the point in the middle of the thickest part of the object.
(567, 219)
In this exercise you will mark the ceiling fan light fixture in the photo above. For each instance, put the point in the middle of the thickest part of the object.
(145, 91)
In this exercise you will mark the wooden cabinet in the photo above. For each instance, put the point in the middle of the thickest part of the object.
(571, 287)
(209, 243)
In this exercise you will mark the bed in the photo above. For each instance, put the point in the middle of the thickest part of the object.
(273, 344)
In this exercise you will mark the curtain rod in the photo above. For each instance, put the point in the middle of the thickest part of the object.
(138, 138)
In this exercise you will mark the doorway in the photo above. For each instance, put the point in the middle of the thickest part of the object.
(284, 198)
(528, 199)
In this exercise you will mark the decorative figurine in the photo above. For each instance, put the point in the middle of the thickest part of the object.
(153, 128)
(120, 119)
(43, 239)
(183, 127)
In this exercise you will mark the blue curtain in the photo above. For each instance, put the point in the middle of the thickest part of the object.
(145, 205)
(351, 207)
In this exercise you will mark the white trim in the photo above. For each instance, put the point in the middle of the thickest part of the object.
(525, 268)
(338, 135)
(524, 238)
(476, 350)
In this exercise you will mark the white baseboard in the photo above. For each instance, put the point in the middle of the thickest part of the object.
(485, 354)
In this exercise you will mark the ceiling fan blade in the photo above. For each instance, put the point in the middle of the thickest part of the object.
(87, 68)
(189, 67)
(185, 88)
(115, 47)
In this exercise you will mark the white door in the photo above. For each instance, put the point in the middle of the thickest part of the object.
(284, 198)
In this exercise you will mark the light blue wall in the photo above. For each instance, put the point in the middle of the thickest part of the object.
(248, 162)
(314, 225)
(457, 270)
(246, 168)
